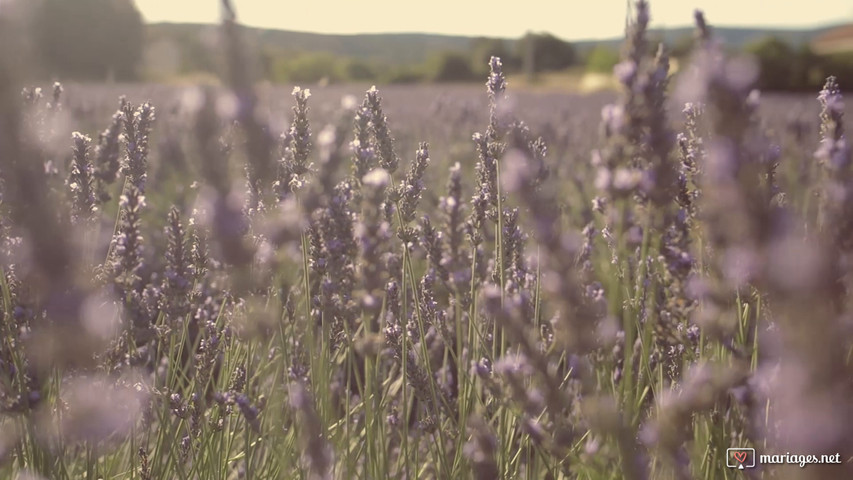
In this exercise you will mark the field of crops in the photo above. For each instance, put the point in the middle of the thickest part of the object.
(427, 281)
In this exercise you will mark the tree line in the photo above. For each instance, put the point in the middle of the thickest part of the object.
(98, 40)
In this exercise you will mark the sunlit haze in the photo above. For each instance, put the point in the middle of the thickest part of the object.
(569, 19)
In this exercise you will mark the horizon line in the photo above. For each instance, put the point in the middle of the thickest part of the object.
(772, 28)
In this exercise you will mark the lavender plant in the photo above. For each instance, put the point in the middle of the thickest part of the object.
(502, 308)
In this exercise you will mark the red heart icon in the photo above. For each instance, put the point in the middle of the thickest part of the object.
(740, 456)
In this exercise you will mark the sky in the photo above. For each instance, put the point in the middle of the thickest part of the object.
(568, 19)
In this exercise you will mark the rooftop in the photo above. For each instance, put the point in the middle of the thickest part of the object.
(837, 40)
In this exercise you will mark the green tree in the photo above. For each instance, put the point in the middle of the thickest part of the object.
(543, 52)
(355, 69)
(308, 68)
(602, 59)
(777, 61)
(88, 39)
(404, 74)
(808, 71)
(483, 49)
(450, 66)
(682, 47)
(840, 65)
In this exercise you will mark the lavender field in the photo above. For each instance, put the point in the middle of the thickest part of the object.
(428, 281)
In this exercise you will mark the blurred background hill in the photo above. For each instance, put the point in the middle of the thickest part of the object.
(107, 40)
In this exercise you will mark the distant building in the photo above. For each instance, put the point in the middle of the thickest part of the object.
(836, 40)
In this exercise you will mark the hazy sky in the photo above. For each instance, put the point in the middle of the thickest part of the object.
(569, 19)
